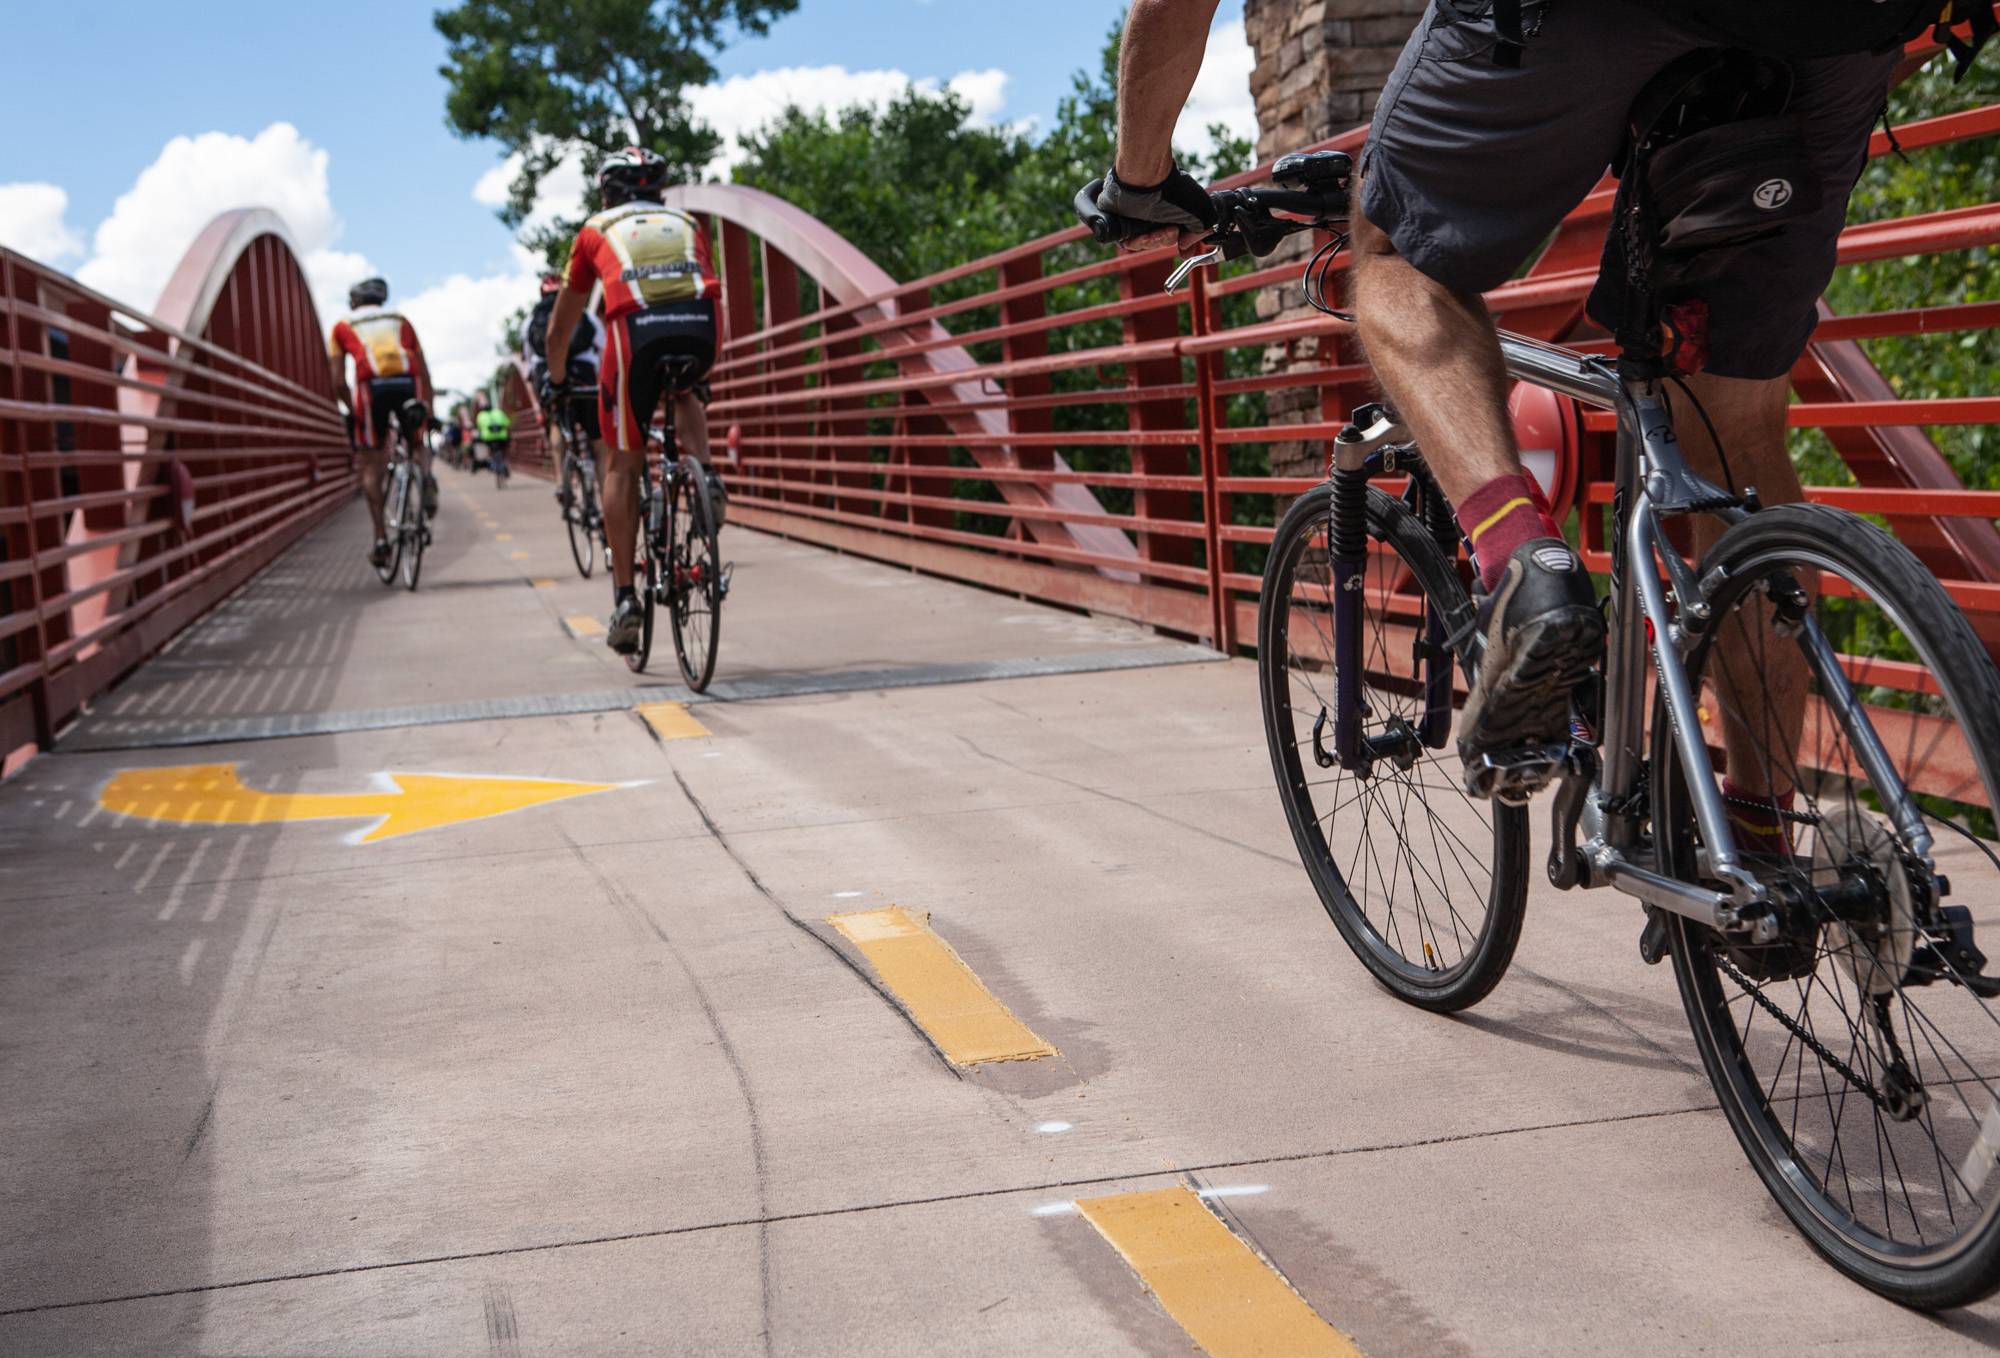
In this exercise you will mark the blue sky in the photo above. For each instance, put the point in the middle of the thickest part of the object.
(105, 94)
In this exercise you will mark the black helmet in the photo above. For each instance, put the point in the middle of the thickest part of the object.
(368, 292)
(632, 173)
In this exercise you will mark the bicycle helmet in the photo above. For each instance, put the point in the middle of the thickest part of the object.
(551, 282)
(631, 173)
(368, 292)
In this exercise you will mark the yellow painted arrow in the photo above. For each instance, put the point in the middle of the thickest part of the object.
(402, 804)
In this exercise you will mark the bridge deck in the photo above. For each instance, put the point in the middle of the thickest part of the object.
(598, 1077)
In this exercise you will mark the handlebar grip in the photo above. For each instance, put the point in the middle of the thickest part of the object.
(1103, 225)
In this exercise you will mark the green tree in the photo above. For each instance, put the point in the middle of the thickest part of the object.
(548, 78)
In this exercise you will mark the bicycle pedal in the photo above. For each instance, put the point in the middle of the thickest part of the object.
(1511, 777)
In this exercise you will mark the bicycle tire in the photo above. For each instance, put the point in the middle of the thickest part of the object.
(1767, 1123)
(577, 515)
(411, 515)
(386, 572)
(648, 574)
(695, 576)
(1481, 963)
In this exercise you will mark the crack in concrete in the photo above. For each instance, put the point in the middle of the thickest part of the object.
(855, 1209)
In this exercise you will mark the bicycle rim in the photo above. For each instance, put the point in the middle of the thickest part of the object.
(582, 542)
(412, 516)
(696, 589)
(392, 526)
(1427, 886)
(1863, 1083)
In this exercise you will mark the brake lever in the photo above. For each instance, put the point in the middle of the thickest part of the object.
(1189, 265)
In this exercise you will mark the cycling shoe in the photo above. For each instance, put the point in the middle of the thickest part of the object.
(621, 634)
(1543, 635)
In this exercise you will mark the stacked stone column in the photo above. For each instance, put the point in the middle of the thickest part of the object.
(1320, 68)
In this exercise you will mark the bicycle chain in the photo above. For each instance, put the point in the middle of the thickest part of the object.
(1812, 1043)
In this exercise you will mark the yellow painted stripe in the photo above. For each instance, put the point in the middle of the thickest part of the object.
(670, 721)
(518, 556)
(948, 1002)
(1502, 512)
(583, 625)
(1223, 1293)
(503, 537)
(543, 582)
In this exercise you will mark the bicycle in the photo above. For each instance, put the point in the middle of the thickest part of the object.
(582, 515)
(1827, 964)
(403, 517)
(679, 562)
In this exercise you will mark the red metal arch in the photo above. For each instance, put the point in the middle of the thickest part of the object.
(793, 243)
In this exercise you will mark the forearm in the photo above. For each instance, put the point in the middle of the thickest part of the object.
(1158, 61)
(337, 376)
(562, 324)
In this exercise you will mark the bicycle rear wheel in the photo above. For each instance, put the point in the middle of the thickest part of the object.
(1857, 1062)
(695, 578)
(1429, 886)
(579, 514)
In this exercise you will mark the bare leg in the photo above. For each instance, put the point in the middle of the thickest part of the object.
(1439, 361)
(372, 466)
(621, 507)
(691, 426)
(1761, 679)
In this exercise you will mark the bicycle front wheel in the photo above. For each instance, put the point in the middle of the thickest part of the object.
(579, 513)
(695, 588)
(410, 514)
(392, 528)
(1857, 1055)
(1427, 886)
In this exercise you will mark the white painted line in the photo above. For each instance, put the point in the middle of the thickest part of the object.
(1051, 1128)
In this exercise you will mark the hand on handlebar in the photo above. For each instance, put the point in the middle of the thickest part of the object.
(1177, 210)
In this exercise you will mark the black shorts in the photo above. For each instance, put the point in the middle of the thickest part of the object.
(582, 409)
(638, 350)
(1470, 166)
(377, 401)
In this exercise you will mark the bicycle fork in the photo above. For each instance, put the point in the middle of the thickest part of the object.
(1372, 443)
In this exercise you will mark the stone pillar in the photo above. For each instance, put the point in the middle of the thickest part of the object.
(1320, 68)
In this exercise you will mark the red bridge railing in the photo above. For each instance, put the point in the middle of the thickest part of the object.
(150, 464)
(1048, 421)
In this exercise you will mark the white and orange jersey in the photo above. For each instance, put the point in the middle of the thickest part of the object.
(381, 342)
(644, 254)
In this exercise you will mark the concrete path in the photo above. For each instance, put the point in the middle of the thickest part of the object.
(596, 1076)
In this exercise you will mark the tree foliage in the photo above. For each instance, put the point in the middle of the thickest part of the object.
(548, 78)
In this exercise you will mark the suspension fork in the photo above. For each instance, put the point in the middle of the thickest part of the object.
(1358, 453)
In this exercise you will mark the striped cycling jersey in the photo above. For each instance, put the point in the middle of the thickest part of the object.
(644, 254)
(381, 343)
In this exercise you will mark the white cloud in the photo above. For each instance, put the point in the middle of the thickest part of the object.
(559, 195)
(32, 222)
(1221, 92)
(462, 319)
(135, 249)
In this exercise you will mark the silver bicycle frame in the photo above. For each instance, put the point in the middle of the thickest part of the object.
(1654, 480)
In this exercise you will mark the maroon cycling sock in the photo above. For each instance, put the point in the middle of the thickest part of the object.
(1756, 819)
(1501, 515)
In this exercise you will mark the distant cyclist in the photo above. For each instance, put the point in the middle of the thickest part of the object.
(496, 429)
(661, 301)
(389, 369)
(586, 351)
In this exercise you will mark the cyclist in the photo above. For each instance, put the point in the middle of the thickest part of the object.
(586, 348)
(454, 442)
(1498, 118)
(496, 428)
(389, 369)
(661, 301)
